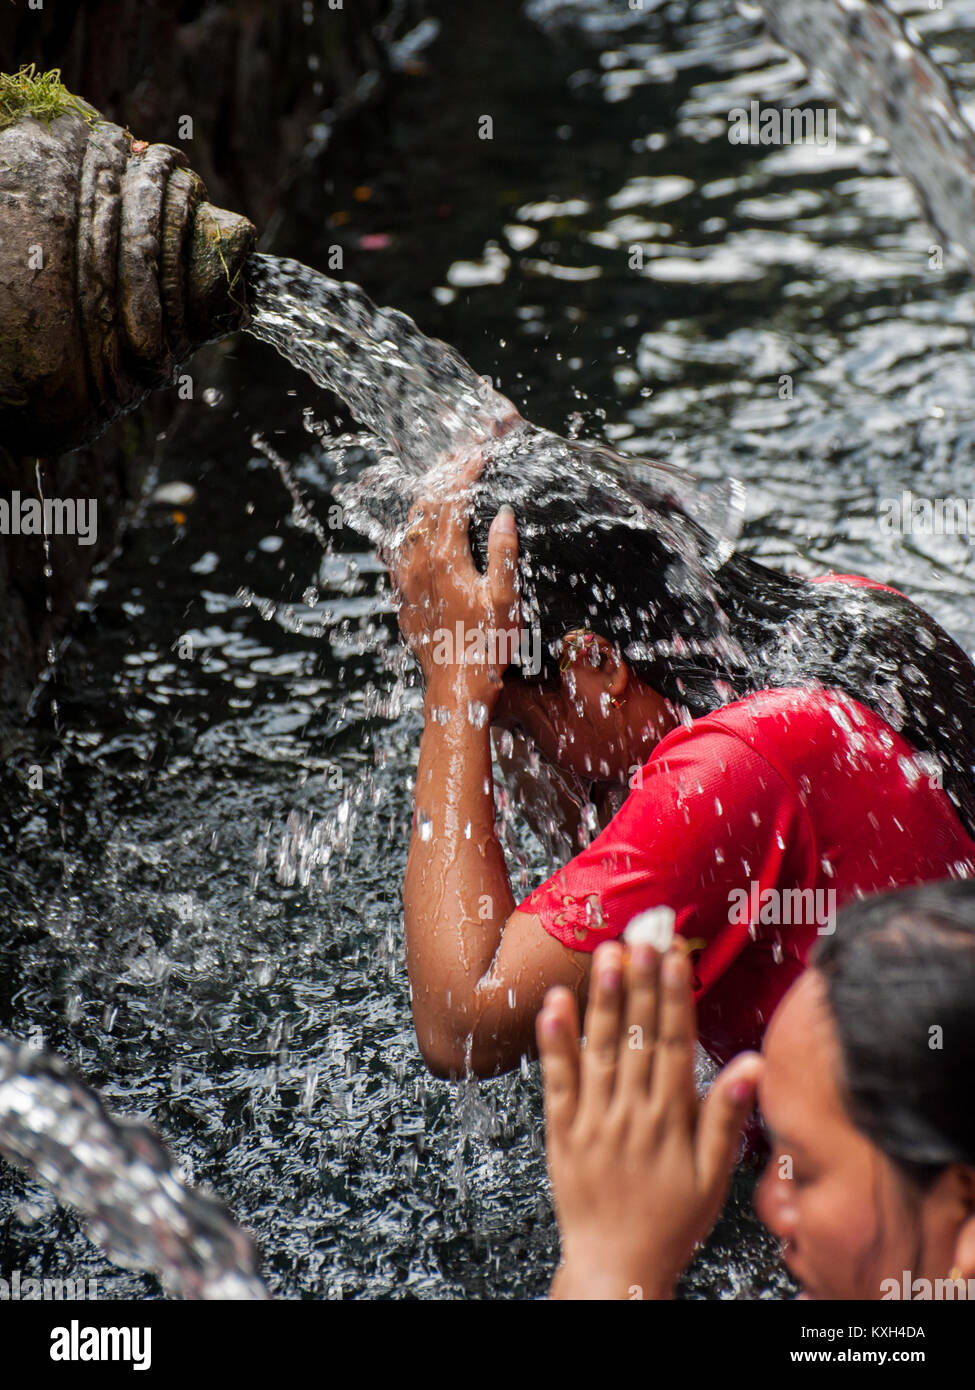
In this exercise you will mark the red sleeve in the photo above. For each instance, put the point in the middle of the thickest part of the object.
(712, 817)
(856, 580)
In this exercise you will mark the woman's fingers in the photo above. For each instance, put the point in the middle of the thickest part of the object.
(452, 550)
(459, 472)
(557, 1031)
(435, 536)
(672, 1086)
(502, 567)
(603, 1017)
(452, 547)
(640, 1030)
(722, 1119)
(410, 556)
(511, 419)
(471, 468)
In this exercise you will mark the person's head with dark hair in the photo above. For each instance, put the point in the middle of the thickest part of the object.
(866, 1092)
(631, 561)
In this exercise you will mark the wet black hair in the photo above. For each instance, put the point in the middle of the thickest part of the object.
(634, 551)
(899, 973)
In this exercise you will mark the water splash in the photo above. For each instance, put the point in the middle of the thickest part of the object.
(119, 1176)
(422, 403)
(415, 394)
(880, 401)
(425, 407)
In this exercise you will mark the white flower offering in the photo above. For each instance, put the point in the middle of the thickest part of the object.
(655, 927)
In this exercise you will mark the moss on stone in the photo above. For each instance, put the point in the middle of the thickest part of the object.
(42, 94)
(221, 243)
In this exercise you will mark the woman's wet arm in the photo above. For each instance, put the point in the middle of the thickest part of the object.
(456, 895)
(478, 968)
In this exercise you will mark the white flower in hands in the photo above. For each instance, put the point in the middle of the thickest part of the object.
(655, 928)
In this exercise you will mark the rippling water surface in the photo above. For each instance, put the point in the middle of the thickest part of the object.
(201, 905)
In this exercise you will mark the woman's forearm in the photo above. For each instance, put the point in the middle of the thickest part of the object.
(456, 895)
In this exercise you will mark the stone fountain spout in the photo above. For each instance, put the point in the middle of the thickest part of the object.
(114, 268)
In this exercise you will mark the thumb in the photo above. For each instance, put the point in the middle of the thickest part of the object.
(502, 567)
(724, 1113)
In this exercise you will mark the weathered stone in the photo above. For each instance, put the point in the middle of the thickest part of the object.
(240, 70)
(89, 219)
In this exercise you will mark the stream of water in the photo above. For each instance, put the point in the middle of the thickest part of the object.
(121, 1179)
(875, 62)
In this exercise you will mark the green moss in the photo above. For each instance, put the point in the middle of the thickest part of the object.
(30, 93)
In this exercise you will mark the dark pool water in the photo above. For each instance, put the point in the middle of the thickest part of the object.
(200, 909)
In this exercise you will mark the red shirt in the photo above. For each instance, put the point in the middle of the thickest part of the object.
(733, 820)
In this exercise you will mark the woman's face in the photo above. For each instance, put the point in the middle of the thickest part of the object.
(570, 731)
(847, 1217)
(598, 720)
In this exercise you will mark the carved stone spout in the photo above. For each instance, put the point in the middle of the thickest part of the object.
(113, 269)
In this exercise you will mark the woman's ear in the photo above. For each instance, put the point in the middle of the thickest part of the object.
(619, 680)
(964, 1260)
(614, 668)
(595, 662)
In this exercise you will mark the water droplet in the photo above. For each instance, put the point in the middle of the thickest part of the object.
(477, 713)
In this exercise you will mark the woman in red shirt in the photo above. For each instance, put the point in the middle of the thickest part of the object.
(788, 746)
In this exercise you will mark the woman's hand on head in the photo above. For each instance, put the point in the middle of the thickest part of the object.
(440, 587)
(639, 1167)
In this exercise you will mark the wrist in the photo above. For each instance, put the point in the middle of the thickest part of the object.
(581, 1276)
(452, 687)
